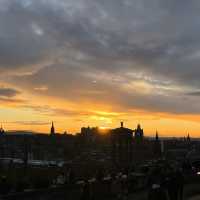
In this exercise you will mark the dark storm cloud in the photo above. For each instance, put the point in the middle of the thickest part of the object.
(131, 30)
(22, 42)
(83, 39)
(9, 95)
(8, 92)
(194, 93)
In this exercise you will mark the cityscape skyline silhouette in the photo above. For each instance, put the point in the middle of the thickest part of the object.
(99, 99)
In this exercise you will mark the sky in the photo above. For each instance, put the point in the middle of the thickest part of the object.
(100, 62)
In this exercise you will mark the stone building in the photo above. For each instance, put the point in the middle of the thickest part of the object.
(122, 148)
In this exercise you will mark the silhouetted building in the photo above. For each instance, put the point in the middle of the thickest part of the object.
(88, 132)
(89, 135)
(122, 139)
(142, 146)
(2, 130)
(139, 134)
(157, 146)
(188, 138)
(52, 132)
(188, 142)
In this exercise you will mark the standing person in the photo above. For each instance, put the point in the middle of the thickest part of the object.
(172, 188)
(100, 175)
(4, 186)
(180, 182)
(156, 189)
(175, 186)
(124, 187)
(115, 188)
(71, 177)
(86, 195)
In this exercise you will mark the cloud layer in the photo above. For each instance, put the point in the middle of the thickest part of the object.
(127, 54)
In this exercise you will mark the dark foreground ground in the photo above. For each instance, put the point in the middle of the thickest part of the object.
(191, 192)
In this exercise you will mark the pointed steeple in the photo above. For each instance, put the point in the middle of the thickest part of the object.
(157, 146)
(157, 137)
(188, 137)
(139, 132)
(52, 129)
(2, 130)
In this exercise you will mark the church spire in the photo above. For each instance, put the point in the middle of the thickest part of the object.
(2, 130)
(157, 146)
(52, 129)
(157, 137)
(188, 137)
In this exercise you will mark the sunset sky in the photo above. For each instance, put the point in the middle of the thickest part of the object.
(99, 62)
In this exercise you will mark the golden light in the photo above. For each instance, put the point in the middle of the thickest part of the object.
(103, 129)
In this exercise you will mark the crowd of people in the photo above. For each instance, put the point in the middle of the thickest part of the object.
(166, 184)
(160, 183)
(110, 187)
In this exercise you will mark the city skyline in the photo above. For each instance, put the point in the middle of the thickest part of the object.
(101, 130)
(90, 62)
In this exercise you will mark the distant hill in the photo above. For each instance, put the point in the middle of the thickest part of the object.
(22, 132)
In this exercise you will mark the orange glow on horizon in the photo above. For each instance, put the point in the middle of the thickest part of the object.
(37, 112)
